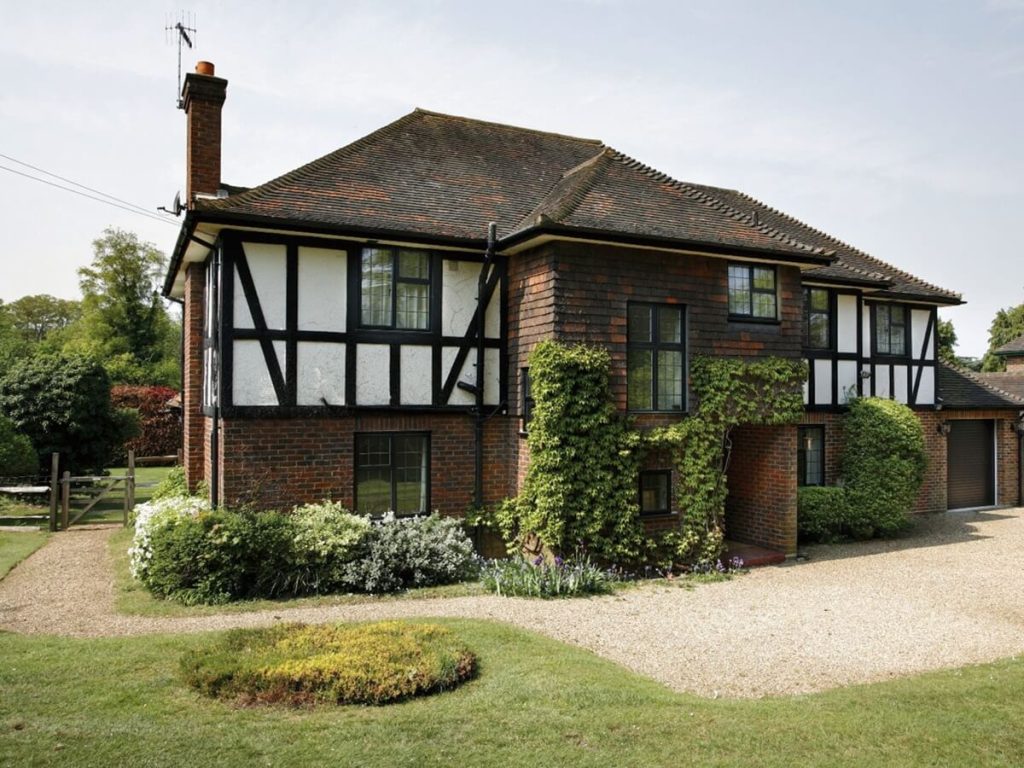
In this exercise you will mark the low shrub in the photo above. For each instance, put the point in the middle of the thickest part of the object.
(17, 456)
(518, 577)
(400, 553)
(173, 484)
(153, 515)
(822, 514)
(357, 664)
(326, 537)
(220, 556)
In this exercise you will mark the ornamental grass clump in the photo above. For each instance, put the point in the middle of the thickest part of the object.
(296, 664)
(518, 577)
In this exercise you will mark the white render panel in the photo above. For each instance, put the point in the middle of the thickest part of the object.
(899, 381)
(323, 299)
(866, 336)
(320, 370)
(918, 327)
(468, 375)
(926, 389)
(492, 376)
(848, 377)
(806, 390)
(846, 319)
(458, 300)
(822, 382)
(881, 379)
(242, 315)
(373, 374)
(250, 380)
(417, 383)
(268, 264)
(492, 317)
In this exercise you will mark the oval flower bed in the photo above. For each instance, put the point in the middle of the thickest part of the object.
(301, 664)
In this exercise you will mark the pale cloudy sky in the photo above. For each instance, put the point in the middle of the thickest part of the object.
(896, 126)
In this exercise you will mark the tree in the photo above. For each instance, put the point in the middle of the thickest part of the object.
(36, 316)
(1007, 325)
(124, 322)
(946, 337)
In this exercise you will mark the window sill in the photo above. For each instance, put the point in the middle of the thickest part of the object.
(752, 319)
(658, 515)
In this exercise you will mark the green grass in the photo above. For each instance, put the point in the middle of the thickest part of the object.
(120, 702)
(15, 547)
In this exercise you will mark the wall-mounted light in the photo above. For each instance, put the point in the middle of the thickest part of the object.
(1017, 427)
(865, 373)
(945, 428)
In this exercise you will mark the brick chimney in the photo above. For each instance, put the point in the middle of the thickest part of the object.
(202, 99)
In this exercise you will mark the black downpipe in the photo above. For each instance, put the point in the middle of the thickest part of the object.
(215, 382)
(481, 313)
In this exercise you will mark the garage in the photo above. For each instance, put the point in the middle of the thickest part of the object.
(970, 464)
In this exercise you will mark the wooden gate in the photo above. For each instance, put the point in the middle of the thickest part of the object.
(108, 483)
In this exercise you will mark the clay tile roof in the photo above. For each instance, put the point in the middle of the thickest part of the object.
(446, 176)
(1015, 347)
(960, 388)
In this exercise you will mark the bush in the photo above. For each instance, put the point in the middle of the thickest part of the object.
(159, 431)
(359, 664)
(172, 485)
(517, 577)
(883, 466)
(400, 553)
(149, 517)
(822, 514)
(17, 456)
(220, 556)
(326, 537)
(62, 403)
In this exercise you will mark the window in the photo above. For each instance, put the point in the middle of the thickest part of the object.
(391, 473)
(526, 395)
(891, 329)
(395, 289)
(655, 357)
(655, 496)
(752, 292)
(810, 456)
(817, 318)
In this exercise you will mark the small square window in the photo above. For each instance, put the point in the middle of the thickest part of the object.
(655, 492)
(391, 473)
(752, 292)
(395, 296)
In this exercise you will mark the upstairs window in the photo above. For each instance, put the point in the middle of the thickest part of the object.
(810, 456)
(752, 293)
(656, 357)
(891, 330)
(817, 318)
(395, 289)
(391, 473)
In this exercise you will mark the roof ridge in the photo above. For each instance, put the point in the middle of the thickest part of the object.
(843, 244)
(717, 204)
(588, 172)
(464, 118)
(974, 377)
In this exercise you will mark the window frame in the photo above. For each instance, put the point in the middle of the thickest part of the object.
(655, 345)
(396, 279)
(801, 455)
(526, 402)
(667, 475)
(876, 326)
(426, 490)
(829, 313)
(749, 316)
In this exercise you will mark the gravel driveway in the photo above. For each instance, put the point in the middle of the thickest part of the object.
(948, 595)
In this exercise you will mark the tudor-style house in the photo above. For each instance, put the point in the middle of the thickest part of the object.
(355, 329)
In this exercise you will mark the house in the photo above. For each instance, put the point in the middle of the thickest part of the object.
(355, 329)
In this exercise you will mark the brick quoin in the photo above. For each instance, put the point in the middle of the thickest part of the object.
(195, 440)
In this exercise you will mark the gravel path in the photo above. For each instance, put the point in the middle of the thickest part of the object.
(949, 595)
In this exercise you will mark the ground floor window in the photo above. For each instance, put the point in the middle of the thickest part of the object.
(655, 492)
(810, 455)
(392, 471)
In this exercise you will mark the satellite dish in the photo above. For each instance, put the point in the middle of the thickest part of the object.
(176, 207)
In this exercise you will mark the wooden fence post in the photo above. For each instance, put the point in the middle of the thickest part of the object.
(65, 500)
(54, 489)
(129, 486)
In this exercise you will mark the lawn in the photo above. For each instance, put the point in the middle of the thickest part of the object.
(15, 547)
(536, 701)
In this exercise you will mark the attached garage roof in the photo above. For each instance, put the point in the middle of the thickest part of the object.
(966, 390)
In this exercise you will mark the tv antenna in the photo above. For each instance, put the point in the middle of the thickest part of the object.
(180, 30)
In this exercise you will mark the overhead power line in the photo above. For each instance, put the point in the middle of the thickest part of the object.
(99, 196)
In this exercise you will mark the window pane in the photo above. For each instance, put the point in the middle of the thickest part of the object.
(897, 340)
(376, 287)
(373, 474)
(410, 474)
(739, 290)
(764, 305)
(414, 264)
(670, 325)
(639, 323)
(413, 309)
(882, 331)
(654, 491)
(818, 331)
(670, 380)
(639, 379)
(764, 278)
(818, 299)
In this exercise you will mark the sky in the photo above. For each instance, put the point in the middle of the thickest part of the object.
(897, 127)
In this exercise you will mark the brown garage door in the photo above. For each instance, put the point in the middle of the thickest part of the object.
(970, 464)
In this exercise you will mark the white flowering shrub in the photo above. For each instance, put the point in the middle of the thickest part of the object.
(153, 515)
(326, 538)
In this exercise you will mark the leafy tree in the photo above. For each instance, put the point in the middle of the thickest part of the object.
(17, 456)
(34, 317)
(946, 337)
(12, 346)
(63, 404)
(1007, 325)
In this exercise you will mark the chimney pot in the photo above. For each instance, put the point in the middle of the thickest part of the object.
(204, 68)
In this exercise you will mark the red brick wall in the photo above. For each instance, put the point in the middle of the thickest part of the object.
(204, 97)
(192, 375)
(761, 508)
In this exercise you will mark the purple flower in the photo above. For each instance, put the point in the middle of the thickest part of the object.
(538, 560)
(559, 562)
